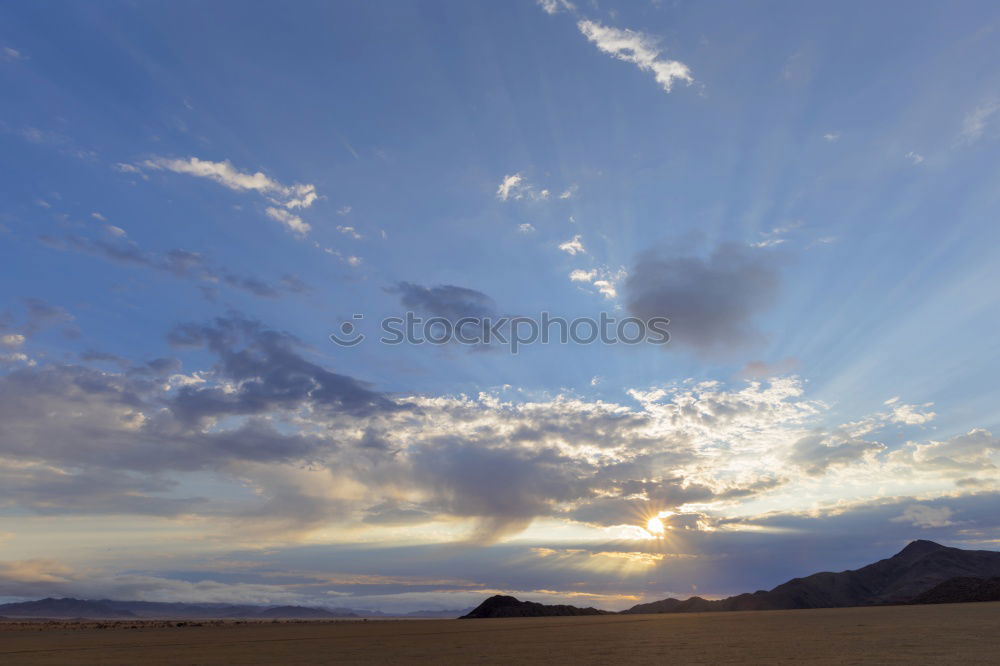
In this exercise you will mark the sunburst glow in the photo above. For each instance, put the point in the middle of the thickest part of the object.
(655, 526)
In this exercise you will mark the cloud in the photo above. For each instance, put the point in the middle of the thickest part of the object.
(831, 137)
(921, 515)
(555, 6)
(294, 446)
(515, 187)
(11, 340)
(224, 173)
(42, 315)
(603, 278)
(526, 228)
(248, 355)
(638, 48)
(975, 123)
(910, 414)
(573, 246)
(180, 263)
(818, 452)
(284, 197)
(448, 301)
(289, 220)
(915, 158)
(349, 231)
(970, 452)
(511, 187)
(711, 301)
(12, 55)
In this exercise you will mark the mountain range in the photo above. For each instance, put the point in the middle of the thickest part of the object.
(108, 609)
(898, 579)
(923, 572)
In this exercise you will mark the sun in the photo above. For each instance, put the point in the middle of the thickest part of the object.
(655, 526)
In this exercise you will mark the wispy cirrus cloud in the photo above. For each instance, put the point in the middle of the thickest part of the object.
(639, 49)
(515, 187)
(285, 198)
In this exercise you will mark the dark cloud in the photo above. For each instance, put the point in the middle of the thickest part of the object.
(819, 451)
(446, 301)
(764, 370)
(268, 374)
(180, 263)
(711, 300)
(504, 487)
(42, 315)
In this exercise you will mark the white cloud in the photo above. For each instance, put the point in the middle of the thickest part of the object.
(349, 231)
(287, 196)
(768, 242)
(573, 246)
(920, 515)
(510, 187)
(12, 54)
(910, 414)
(291, 222)
(516, 187)
(98, 216)
(973, 450)
(11, 340)
(831, 136)
(916, 158)
(344, 210)
(555, 6)
(114, 231)
(526, 228)
(975, 122)
(605, 279)
(606, 288)
(638, 48)
(568, 192)
(353, 261)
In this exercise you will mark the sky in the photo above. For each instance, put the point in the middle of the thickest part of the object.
(197, 195)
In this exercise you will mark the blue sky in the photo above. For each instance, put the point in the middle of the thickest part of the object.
(198, 195)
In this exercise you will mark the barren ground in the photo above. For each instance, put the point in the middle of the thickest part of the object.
(952, 633)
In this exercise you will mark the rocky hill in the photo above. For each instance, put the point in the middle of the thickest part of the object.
(504, 606)
(899, 579)
(961, 590)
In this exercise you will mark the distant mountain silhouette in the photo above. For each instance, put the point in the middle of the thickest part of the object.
(109, 609)
(300, 613)
(438, 613)
(899, 579)
(63, 608)
(504, 606)
(961, 590)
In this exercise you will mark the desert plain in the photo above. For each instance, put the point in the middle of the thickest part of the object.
(947, 633)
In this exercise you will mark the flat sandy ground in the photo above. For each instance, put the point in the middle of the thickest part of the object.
(952, 633)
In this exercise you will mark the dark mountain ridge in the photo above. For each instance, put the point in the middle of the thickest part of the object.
(110, 609)
(64, 608)
(898, 579)
(504, 606)
(959, 590)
